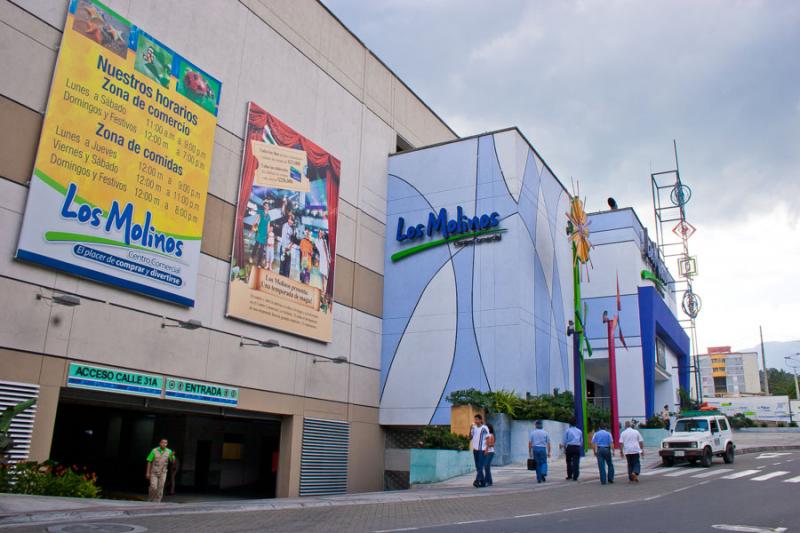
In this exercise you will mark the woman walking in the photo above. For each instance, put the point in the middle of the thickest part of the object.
(488, 452)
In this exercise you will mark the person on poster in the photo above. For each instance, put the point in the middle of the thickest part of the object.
(157, 466)
(260, 231)
(306, 251)
(320, 241)
(270, 248)
(288, 240)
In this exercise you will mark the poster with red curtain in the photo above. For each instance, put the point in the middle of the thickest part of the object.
(284, 243)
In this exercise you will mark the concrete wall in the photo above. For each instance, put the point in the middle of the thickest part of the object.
(348, 102)
(521, 430)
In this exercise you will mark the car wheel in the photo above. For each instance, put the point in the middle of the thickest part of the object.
(729, 454)
(707, 458)
(668, 461)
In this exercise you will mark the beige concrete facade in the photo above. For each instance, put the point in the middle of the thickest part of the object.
(349, 103)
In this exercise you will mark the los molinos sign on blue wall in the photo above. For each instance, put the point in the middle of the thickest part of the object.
(461, 230)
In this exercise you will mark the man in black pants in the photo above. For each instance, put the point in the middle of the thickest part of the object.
(573, 445)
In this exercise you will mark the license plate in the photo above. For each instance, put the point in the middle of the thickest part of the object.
(680, 453)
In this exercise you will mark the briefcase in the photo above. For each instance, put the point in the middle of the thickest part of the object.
(531, 463)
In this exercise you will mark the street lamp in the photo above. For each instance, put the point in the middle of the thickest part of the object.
(793, 362)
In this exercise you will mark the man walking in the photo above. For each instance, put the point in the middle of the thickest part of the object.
(602, 444)
(539, 449)
(157, 466)
(665, 417)
(573, 444)
(632, 447)
(477, 435)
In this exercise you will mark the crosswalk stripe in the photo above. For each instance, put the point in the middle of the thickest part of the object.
(792, 480)
(770, 475)
(681, 472)
(742, 473)
(714, 472)
(656, 472)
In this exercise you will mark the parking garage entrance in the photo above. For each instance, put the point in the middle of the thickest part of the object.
(220, 451)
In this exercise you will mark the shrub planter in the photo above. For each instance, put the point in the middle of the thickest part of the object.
(461, 418)
(430, 466)
(502, 437)
(653, 436)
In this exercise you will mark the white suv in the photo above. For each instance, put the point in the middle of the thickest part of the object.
(699, 437)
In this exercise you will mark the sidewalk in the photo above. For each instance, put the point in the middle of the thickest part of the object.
(18, 510)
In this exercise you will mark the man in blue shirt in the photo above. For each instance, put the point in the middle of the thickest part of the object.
(573, 445)
(539, 449)
(603, 443)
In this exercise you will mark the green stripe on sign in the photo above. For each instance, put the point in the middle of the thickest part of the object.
(402, 254)
(62, 236)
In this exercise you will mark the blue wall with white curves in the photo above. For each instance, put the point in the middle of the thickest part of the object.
(491, 316)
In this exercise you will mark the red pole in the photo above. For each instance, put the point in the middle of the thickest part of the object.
(612, 380)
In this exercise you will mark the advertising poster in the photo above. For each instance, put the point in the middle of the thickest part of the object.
(284, 242)
(119, 185)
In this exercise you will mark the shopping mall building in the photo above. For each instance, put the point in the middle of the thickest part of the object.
(246, 234)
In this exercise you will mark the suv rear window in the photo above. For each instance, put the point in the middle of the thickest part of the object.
(691, 424)
(723, 424)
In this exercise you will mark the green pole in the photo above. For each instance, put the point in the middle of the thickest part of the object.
(579, 321)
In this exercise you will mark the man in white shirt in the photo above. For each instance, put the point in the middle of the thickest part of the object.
(477, 435)
(631, 448)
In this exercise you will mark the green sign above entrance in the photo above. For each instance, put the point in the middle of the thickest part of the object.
(208, 393)
(114, 380)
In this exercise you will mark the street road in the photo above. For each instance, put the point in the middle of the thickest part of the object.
(758, 491)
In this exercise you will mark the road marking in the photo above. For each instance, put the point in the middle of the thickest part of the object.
(743, 473)
(527, 515)
(469, 522)
(749, 529)
(656, 472)
(714, 472)
(792, 480)
(770, 475)
(683, 472)
(772, 455)
(393, 530)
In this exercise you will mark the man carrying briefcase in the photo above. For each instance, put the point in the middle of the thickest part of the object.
(539, 451)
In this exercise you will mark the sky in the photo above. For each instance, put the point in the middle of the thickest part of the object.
(602, 88)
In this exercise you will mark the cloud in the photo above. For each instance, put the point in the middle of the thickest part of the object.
(601, 88)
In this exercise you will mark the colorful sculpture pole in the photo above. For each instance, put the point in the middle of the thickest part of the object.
(612, 324)
(612, 377)
(578, 232)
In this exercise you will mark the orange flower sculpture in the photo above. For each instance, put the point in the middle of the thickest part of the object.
(580, 231)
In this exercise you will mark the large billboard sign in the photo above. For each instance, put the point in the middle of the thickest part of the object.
(119, 185)
(284, 243)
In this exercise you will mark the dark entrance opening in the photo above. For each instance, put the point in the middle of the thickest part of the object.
(220, 451)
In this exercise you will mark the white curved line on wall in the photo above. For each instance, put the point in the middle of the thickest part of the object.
(422, 362)
(512, 154)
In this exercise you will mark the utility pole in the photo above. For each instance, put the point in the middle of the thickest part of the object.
(764, 363)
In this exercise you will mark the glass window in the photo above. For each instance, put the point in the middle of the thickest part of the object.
(723, 424)
(714, 427)
(691, 424)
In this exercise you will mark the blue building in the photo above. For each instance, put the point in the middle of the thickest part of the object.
(478, 276)
(656, 362)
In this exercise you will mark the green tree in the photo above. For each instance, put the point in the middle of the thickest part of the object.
(781, 382)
